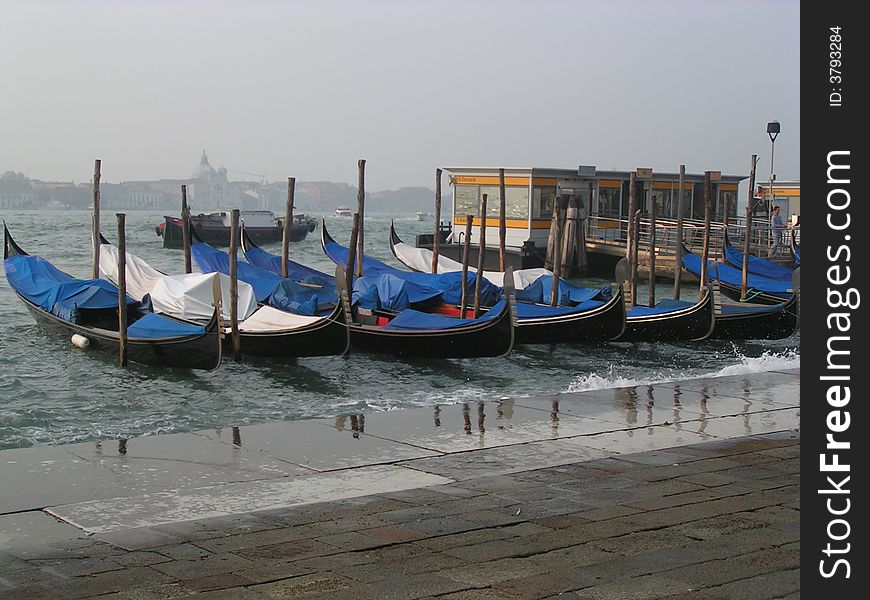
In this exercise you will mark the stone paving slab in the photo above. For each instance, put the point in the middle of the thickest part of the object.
(507, 499)
(102, 516)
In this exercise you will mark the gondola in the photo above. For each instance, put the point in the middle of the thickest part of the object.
(671, 320)
(415, 334)
(756, 321)
(760, 289)
(434, 331)
(89, 308)
(756, 265)
(263, 330)
(593, 316)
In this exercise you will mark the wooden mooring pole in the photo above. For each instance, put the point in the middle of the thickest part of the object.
(481, 257)
(557, 254)
(288, 222)
(749, 201)
(705, 248)
(361, 203)
(635, 236)
(652, 250)
(466, 249)
(351, 255)
(436, 241)
(122, 290)
(96, 220)
(629, 236)
(234, 284)
(502, 224)
(678, 258)
(185, 230)
(569, 238)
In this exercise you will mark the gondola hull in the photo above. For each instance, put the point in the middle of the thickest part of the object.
(325, 337)
(488, 339)
(189, 352)
(493, 337)
(764, 324)
(197, 351)
(597, 325)
(695, 322)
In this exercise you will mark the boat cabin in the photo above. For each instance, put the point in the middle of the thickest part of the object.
(251, 218)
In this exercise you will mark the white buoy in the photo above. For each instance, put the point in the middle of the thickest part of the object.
(80, 341)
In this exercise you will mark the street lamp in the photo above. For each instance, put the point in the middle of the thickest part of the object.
(772, 132)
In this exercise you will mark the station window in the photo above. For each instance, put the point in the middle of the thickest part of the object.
(467, 201)
(608, 202)
(542, 202)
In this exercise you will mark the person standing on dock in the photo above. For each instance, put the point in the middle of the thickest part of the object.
(777, 228)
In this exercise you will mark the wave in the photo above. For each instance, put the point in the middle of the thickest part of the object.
(768, 361)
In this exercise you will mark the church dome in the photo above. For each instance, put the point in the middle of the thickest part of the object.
(204, 170)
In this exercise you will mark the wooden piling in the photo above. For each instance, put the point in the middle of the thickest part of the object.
(502, 224)
(749, 201)
(652, 251)
(185, 230)
(635, 226)
(678, 259)
(569, 237)
(705, 248)
(351, 254)
(288, 222)
(481, 257)
(122, 290)
(551, 240)
(466, 249)
(436, 241)
(234, 284)
(96, 219)
(632, 206)
(557, 258)
(361, 201)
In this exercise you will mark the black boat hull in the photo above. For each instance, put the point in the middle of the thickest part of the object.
(188, 352)
(326, 337)
(490, 338)
(758, 297)
(695, 322)
(200, 351)
(604, 323)
(599, 325)
(758, 325)
(220, 236)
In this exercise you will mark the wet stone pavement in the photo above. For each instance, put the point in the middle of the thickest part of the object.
(675, 490)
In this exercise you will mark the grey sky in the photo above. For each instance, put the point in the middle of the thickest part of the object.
(307, 88)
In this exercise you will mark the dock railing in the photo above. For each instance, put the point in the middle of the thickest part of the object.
(611, 231)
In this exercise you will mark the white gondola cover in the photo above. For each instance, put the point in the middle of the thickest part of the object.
(268, 319)
(189, 297)
(420, 259)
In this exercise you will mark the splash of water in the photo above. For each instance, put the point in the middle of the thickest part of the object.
(768, 361)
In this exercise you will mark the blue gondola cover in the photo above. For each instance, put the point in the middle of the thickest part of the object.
(57, 292)
(757, 265)
(410, 319)
(154, 326)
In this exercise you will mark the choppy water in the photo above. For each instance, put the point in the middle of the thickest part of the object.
(52, 393)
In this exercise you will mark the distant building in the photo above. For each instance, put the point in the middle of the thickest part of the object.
(786, 195)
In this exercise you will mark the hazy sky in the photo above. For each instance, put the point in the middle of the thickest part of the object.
(307, 88)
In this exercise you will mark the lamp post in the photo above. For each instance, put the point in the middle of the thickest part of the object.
(772, 132)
